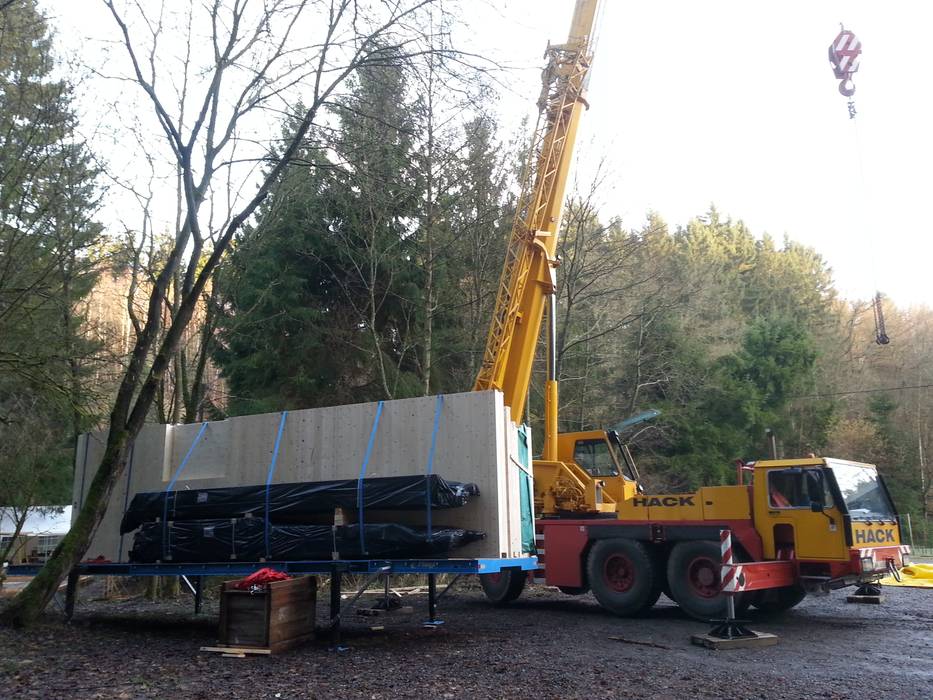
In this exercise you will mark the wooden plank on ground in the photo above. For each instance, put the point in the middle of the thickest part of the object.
(237, 650)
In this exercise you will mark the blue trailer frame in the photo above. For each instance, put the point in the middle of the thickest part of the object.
(326, 566)
(333, 568)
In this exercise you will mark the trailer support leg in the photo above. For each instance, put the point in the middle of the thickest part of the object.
(432, 603)
(335, 576)
(71, 594)
(198, 594)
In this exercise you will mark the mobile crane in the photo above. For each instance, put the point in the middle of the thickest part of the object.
(800, 525)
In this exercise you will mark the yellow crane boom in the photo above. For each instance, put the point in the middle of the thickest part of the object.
(528, 279)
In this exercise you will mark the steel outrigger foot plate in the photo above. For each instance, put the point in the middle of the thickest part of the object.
(730, 629)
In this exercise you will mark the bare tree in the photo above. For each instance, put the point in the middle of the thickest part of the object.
(261, 57)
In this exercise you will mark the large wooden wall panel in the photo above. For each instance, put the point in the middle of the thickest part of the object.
(475, 442)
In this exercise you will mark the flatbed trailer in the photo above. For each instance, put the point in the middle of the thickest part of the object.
(193, 574)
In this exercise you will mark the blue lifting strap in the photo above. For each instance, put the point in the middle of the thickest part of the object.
(438, 404)
(181, 468)
(275, 457)
(359, 483)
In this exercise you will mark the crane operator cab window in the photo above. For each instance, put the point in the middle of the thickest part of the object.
(594, 456)
(797, 488)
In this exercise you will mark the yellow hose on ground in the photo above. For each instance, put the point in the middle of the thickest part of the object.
(913, 576)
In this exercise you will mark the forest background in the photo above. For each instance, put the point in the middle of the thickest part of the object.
(369, 272)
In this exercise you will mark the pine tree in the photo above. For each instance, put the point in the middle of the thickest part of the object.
(48, 198)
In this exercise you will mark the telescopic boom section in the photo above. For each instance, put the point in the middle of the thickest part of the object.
(528, 275)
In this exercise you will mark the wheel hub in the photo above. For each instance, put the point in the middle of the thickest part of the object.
(619, 573)
(703, 577)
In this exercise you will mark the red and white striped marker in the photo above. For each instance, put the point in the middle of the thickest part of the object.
(731, 574)
(727, 575)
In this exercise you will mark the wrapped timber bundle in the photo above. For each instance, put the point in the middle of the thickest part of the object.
(248, 539)
(294, 503)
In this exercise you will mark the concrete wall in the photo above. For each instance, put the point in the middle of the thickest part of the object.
(476, 442)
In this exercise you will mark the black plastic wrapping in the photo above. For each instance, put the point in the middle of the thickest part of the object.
(244, 539)
(293, 503)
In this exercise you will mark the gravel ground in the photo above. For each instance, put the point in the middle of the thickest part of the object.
(545, 645)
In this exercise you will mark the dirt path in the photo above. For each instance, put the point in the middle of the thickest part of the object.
(546, 645)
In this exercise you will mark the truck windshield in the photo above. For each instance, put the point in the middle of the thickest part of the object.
(862, 491)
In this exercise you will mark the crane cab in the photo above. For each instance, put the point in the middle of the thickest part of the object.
(594, 472)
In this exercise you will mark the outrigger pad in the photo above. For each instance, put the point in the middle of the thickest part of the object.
(733, 634)
(294, 503)
(244, 539)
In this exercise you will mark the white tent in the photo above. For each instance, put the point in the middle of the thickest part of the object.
(44, 520)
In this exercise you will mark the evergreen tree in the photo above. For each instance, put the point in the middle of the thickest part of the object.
(48, 197)
(321, 297)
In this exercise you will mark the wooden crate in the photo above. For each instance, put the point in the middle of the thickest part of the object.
(277, 618)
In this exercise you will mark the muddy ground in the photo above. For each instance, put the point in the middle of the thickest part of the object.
(546, 645)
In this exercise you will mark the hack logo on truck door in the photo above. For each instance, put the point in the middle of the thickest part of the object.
(662, 501)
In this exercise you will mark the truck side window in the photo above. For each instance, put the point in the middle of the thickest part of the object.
(817, 488)
(787, 489)
(595, 458)
(797, 488)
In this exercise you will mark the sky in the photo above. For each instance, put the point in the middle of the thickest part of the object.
(735, 103)
(732, 103)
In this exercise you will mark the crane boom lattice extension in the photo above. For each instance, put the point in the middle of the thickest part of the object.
(532, 242)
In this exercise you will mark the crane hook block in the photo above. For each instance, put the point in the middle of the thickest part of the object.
(881, 334)
(844, 55)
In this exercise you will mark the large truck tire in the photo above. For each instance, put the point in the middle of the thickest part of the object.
(693, 576)
(505, 586)
(623, 576)
(778, 600)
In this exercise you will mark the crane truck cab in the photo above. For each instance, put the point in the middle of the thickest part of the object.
(834, 517)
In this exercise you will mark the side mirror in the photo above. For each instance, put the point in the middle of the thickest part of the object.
(817, 506)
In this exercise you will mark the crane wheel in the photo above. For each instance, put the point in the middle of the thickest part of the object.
(623, 576)
(693, 570)
(505, 586)
(778, 600)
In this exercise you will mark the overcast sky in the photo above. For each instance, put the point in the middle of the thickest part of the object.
(734, 103)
